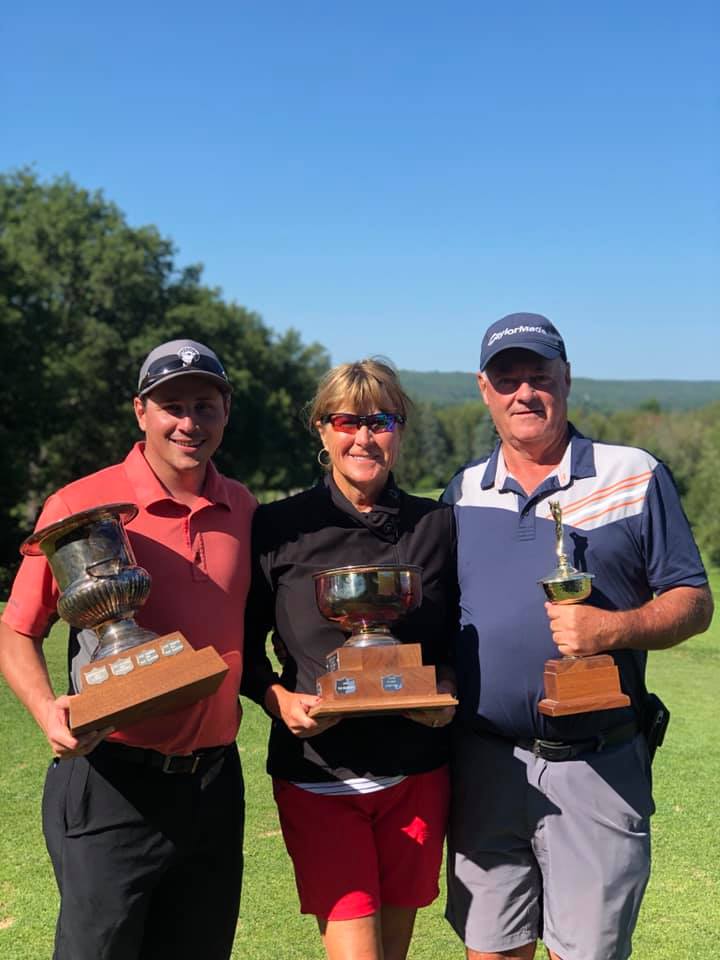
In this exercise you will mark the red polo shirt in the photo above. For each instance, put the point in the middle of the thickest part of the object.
(199, 561)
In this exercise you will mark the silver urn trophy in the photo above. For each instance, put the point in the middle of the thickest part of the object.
(101, 586)
(133, 674)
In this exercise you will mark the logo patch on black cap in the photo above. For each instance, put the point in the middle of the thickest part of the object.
(189, 356)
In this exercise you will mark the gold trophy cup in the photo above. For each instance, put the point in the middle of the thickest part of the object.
(576, 684)
(133, 673)
(373, 672)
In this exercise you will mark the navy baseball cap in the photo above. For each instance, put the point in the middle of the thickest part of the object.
(179, 358)
(522, 331)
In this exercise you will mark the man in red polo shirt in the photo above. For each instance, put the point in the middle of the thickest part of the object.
(144, 825)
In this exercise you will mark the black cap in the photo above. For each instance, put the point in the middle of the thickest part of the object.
(178, 358)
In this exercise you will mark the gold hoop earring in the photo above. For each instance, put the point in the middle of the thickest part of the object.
(321, 460)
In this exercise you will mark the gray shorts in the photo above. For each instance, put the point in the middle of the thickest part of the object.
(553, 850)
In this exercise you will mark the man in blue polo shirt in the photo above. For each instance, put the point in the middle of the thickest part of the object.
(550, 828)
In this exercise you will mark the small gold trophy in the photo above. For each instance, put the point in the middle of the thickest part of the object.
(576, 684)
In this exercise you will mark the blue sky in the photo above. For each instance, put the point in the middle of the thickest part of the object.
(392, 177)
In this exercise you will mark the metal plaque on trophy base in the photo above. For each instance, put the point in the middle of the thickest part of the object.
(133, 674)
(576, 684)
(373, 672)
(145, 681)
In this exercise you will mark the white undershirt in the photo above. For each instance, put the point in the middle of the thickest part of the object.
(355, 785)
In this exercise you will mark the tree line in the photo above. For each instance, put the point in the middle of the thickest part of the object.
(444, 388)
(84, 296)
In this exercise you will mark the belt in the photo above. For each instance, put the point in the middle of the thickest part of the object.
(196, 762)
(559, 750)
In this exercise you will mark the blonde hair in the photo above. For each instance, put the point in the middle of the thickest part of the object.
(360, 387)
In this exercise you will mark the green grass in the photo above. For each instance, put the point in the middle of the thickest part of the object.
(680, 916)
(430, 494)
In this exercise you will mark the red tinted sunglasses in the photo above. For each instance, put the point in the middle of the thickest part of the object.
(351, 422)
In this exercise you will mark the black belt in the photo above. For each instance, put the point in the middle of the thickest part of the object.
(196, 762)
(559, 750)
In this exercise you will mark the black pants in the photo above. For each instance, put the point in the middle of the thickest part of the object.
(149, 865)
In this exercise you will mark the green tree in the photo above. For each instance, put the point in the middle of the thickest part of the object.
(83, 297)
(469, 430)
(703, 497)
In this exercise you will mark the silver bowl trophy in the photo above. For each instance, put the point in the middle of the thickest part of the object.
(133, 674)
(373, 672)
(576, 684)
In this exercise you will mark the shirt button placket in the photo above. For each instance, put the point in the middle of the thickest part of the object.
(199, 564)
(526, 521)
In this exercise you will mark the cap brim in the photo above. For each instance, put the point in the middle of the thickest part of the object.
(545, 350)
(220, 382)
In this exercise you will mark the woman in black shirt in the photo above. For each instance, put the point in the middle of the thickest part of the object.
(362, 801)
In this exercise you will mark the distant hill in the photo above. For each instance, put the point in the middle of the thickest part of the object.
(603, 395)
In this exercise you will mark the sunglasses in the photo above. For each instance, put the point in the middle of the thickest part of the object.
(351, 422)
(173, 364)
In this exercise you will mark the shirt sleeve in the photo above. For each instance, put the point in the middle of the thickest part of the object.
(32, 605)
(441, 599)
(452, 613)
(445, 652)
(672, 558)
(258, 673)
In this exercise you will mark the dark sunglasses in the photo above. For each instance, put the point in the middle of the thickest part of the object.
(173, 364)
(351, 422)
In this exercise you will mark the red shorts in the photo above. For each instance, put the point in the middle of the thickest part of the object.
(354, 853)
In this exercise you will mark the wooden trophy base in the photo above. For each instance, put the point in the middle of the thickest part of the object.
(146, 681)
(379, 679)
(581, 685)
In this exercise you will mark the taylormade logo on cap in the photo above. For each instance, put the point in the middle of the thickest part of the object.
(522, 331)
(509, 331)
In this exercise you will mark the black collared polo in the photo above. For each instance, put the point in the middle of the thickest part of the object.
(316, 530)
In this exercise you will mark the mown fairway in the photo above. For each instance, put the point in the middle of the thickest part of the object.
(681, 913)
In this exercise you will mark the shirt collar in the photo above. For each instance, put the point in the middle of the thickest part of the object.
(215, 488)
(149, 490)
(578, 458)
(491, 469)
(582, 463)
(388, 501)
